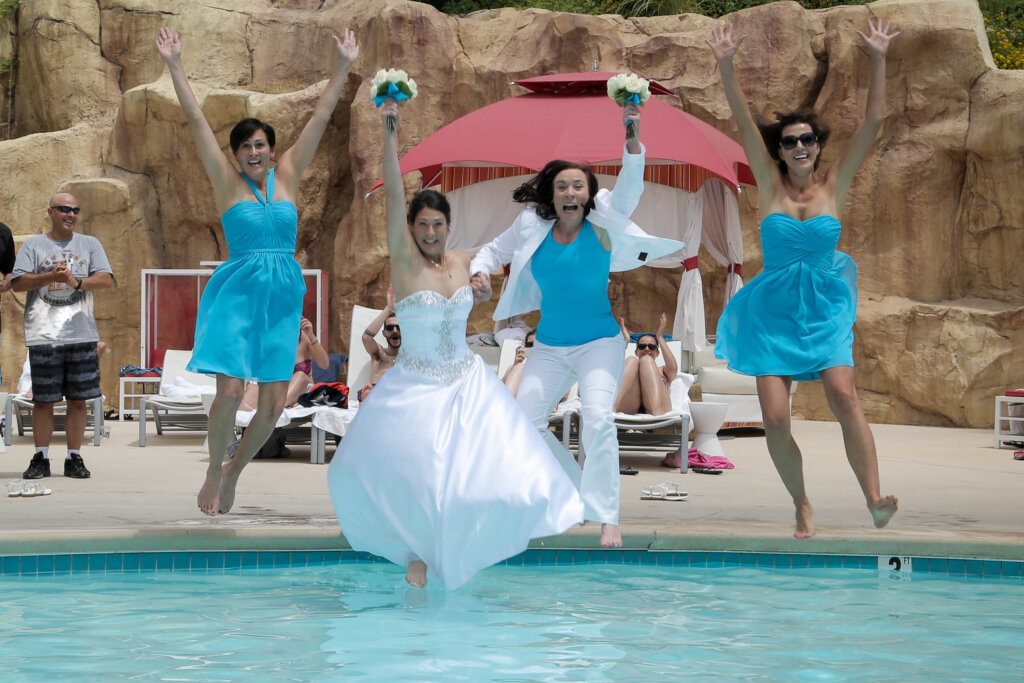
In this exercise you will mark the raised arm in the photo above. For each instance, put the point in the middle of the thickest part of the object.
(220, 171)
(629, 185)
(877, 42)
(317, 352)
(369, 334)
(294, 161)
(724, 48)
(400, 242)
(624, 330)
(671, 366)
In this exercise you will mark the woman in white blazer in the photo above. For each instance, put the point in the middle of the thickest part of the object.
(562, 247)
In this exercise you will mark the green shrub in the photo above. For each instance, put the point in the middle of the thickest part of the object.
(1006, 38)
(7, 65)
(8, 7)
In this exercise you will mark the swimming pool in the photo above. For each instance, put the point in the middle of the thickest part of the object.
(578, 620)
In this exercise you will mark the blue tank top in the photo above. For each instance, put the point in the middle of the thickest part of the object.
(573, 281)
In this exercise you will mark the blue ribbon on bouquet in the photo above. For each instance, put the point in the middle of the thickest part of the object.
(634, 98)
(393, 93)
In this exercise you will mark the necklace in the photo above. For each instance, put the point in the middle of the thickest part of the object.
(440, 265)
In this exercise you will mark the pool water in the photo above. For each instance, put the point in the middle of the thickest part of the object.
(550, 623)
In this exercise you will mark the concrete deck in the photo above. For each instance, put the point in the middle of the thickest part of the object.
(959, 497)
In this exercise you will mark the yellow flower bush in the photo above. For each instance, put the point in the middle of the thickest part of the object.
(1006, 37)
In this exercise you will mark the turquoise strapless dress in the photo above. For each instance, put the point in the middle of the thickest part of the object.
(248, 321)
(796, 317)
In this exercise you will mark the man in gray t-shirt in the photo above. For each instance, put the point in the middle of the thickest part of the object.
(60, 269)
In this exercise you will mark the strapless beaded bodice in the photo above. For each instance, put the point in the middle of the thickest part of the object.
(434, 334)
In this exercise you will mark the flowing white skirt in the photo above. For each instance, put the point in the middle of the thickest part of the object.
(454, 475)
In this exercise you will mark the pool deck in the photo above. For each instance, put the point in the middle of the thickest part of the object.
(956, 495)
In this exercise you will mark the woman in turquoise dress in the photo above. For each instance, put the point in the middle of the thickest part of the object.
(252, 305)
(795, 319)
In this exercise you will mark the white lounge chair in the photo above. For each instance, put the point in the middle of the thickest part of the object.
(175, 412)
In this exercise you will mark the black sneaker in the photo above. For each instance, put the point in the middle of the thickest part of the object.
(74, 467)
(38, 468)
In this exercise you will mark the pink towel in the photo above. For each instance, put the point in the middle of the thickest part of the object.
(699, 459)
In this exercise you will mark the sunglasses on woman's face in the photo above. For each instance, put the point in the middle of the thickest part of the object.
(806, 139)
(646, 347)
(391, 328)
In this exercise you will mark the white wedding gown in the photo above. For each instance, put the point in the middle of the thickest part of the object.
(440, 463)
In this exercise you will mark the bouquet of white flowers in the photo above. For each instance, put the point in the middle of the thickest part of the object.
(625, 88)
(392, 84)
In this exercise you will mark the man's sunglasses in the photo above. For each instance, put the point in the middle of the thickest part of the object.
(68, 209)
(391, 328)
(789, 141)
(646, 347)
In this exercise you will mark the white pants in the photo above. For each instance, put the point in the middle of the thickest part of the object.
(597, 366)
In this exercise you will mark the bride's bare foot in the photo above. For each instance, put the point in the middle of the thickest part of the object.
(416, 575)
(610, 536)
(804, 521)
(209, 495)
(883, 509)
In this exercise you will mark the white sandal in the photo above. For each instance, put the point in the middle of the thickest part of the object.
(663, 491)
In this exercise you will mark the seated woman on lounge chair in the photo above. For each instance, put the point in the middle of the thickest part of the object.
(644, 387)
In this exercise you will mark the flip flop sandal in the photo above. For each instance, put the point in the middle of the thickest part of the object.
(664, 491)
(628, 469)
(33, 489)
(1018, 455)
(706, 470)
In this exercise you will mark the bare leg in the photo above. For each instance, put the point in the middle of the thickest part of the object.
(270, 406)
(74, 424)
(42, 424)
(221, 429)
(297, 387)
(860, 444)
(652, 387)
(416, 574)
(773, 393)
(628, 400)
(250, 397)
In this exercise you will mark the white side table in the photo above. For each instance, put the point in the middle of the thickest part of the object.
(707, 419)
(131, 391)
(1009, 427)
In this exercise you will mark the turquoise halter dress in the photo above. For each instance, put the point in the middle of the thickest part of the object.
(248, 320)
(796, 317)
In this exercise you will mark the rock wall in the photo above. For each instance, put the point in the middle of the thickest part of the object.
(935, 218)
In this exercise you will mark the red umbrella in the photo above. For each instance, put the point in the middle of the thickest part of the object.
(570, 116)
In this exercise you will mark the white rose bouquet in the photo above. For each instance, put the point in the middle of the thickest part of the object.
(625, 88)
(392, 84)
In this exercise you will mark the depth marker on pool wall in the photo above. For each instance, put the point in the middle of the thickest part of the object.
(895, 563)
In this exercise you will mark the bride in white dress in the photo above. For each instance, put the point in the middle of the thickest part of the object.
(441, 470)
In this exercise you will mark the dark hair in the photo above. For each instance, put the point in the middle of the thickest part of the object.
(541, 188)
(244, 129)
(429, 199)
(771, 133)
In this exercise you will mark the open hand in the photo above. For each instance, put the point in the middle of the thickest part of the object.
(167, 45)
(722, 44)
(661, 324)
(306, 327)
(878, 38)
(391, 298)
(348, 49)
